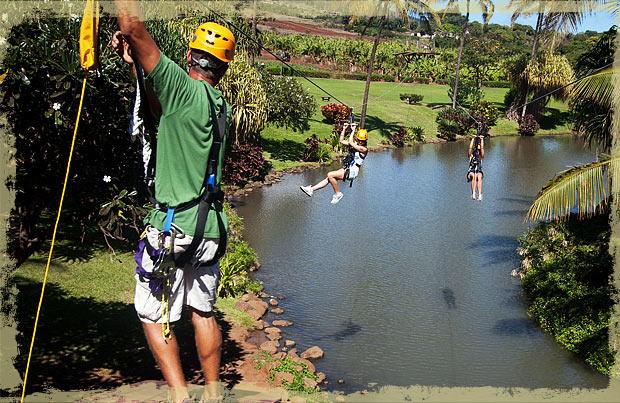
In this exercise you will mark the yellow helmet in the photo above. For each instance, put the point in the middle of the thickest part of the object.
(214, 39)
(362, 135)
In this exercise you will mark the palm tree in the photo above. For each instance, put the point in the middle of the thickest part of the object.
(385, 8)
(488, 8)
(552, 18)
(587, 188)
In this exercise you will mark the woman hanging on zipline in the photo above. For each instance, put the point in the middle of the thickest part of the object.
(350, 166)
(474, 173)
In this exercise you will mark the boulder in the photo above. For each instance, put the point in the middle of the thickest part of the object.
(364, 392)
(259, 308)
(310, 383)
(292, 354)
(243, 305)
(273, 302)
(260, 324)
(276, 311)
(300, 360)
(271, 365)
(283, 377)
(263, 294)
(313, 353)
(279, 356)
(245, 297)
(340, 381)
(281, 297)
(289, 343)
(270, 347)
(273, 333)
(282, 323)
(320, 377)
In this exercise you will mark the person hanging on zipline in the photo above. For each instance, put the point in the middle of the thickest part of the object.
(350, 166)
(186, 233)
(474, 173)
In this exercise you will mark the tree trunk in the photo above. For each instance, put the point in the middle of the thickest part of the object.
(370, 64)
(534, 55)
(458, 60)
(254, 30)
(366, 26)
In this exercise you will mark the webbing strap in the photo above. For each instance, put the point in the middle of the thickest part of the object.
(211, 194)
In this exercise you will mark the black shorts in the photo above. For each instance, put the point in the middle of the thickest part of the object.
(474, 168)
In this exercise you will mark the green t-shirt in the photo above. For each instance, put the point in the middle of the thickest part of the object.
(184, 139)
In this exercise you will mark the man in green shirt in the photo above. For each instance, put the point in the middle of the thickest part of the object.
(188, 124)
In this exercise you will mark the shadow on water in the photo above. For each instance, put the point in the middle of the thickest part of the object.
(496, 248)
(349, 330)
(81, 343)
(448, 296)
(505, 213)
(515, 327)
(519, 199)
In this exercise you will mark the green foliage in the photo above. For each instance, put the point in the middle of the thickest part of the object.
(288, 102)
(40, 98)
(468, 91)
(240, 252)
(592, 115)
(415, 133)
(119, 214)
(314, 150)
(292, 367)
(452, 122)
(567, 269)
(411, 98)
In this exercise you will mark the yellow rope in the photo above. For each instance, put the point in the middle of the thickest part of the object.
(49, 257)
(165, 325)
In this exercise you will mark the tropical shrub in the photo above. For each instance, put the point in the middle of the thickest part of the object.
(411, 98)
(398, 137)
(415, 133)
(40, 98)
(288, 103)
(242, 87)
(312, 148)
(335, 112)
(452, 122)
(244, 163)
(566, 269)
(528, 126)
(468, 91)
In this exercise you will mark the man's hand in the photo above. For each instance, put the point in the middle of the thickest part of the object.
(121, 47)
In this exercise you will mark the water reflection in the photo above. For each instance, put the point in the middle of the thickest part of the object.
(407, 280)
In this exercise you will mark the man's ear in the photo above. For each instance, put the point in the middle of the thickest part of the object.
(189, 56)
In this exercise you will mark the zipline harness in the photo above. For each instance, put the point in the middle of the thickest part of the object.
(163, 257)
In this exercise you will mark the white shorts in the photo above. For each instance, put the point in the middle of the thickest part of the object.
(194, 285)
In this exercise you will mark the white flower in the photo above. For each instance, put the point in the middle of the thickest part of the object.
(56, 106)
(106, 178)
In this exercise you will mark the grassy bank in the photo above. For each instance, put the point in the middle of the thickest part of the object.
(284, 148)
(88, 329)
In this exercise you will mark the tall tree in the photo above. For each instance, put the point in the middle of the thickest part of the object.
(386, 8)
(553, 18)
(487, 11)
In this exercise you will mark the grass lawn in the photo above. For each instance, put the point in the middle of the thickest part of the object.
(386, 112)
(88, 334)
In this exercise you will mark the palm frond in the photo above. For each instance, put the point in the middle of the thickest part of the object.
(598, 87)
(584, 190)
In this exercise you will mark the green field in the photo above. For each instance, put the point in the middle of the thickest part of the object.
(386, 112)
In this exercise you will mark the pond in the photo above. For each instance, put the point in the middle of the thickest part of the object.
(407, 280)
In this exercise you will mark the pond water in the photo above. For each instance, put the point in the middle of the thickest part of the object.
(407, 280)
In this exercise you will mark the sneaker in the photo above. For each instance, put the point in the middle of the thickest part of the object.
(307, 190)
(336, 198)
(480, 197)
(473, 196)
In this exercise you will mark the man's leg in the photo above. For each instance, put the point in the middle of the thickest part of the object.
(166, 353)
(320, 185)
(208, 344)
(479, 184)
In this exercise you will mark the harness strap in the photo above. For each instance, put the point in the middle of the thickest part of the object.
(211, 195)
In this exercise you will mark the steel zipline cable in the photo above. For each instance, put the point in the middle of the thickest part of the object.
(272, 54)
(548, 93)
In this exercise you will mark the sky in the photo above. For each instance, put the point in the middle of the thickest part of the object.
(599, 21)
